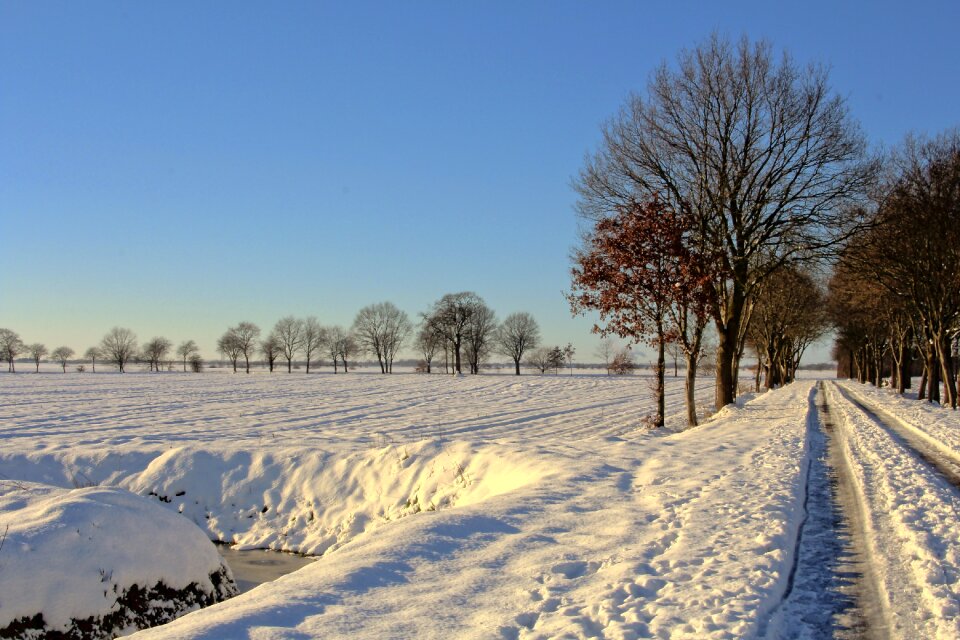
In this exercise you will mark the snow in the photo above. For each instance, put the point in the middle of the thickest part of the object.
(912, 519)
(469, 507)
(69, 553)
(940, 427)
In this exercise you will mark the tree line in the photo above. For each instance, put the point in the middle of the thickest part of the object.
(459, 328)
(895, 293)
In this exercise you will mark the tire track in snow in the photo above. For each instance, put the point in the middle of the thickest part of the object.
(832, 591)
(908, 505)
(943, 462)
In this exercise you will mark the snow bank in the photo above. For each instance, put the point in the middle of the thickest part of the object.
(308, 502)
(96, 561)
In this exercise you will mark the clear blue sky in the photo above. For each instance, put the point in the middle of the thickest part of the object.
(178, 167)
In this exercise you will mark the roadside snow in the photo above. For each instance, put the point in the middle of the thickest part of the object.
(940, 425)
(913, 527)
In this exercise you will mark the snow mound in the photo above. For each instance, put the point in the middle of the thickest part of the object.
(313, 502)
(94, 562)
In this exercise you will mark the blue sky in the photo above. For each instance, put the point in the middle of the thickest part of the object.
(179, 167)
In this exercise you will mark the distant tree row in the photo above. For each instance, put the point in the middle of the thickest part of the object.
(12, 347)
(462, 325)
(459, 325)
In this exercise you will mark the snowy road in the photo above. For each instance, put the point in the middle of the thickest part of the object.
(831, 592)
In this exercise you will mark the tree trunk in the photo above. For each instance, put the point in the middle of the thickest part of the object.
(690, 388)
(456, 358)
(726, 354)
(922, 391)
(661, 372)
(878, 368)
(933, 376)
(516, 364)
(946, 371)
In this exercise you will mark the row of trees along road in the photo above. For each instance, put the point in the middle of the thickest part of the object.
(458, 325)
(734, 165)
(895, 293)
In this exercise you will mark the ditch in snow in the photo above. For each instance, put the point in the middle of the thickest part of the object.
(253, 567)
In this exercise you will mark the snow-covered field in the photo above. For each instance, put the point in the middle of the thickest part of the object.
(476, 507)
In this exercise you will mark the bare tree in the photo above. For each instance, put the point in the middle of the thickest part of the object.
(187, 349)
(675, 351)
(789, 314)
(336, 337)
(557, 358)
(119, 346)
(480, 336)
(518, 333)
(450, 317)
(427, 343)
(155, 350)
(270, 349)
(10, 347)
(93, 353)
(246, 334)
(605, 351)
(348, 348)
(568, 352)
(289, 332)
(397, 330)
(229, 346)
(37, 351)
(540, 359)
(313, 338)
(62, 355)
(622, 362)
(757, 151)
(381, 329)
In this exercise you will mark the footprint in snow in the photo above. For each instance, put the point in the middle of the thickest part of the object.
(574, 569)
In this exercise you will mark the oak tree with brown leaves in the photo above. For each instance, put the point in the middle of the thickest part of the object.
(638, 271)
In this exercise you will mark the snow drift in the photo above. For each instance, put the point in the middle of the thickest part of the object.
(94, 562)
